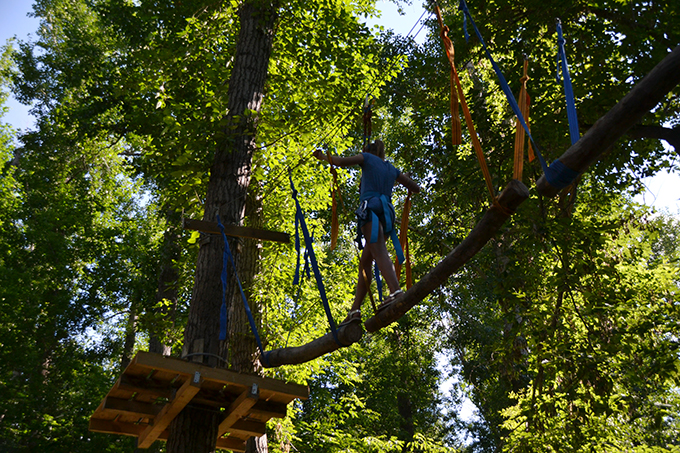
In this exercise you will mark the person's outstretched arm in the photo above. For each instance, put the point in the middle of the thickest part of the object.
(407, 182)
(338, 161)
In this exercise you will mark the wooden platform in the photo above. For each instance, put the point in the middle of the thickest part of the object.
(155, 388)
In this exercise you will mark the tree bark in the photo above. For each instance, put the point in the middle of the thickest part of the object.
(194, 430)
(624, 115)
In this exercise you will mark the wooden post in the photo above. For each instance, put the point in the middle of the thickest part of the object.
(237, 231)
(629, 111)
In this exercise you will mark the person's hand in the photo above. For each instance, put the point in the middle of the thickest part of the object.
(319, 154)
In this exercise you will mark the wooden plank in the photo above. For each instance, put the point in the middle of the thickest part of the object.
(114, 427)
(149, 387)
(265, 385)
(239, 408)
(646, 94)
(244, 429)
(127, 407)
(170, 410)
(237, 231)
(265, 410)
(134, 430)
(231, 443)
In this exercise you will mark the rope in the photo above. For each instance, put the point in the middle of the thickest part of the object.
(299, 215)
(558, 175)
(568, 92)
(227, 257)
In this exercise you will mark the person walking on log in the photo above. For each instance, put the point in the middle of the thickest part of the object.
(376, 219)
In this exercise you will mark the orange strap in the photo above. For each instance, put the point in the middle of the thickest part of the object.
(456, 128)
(334, 216)
(520, 135)
(403, 239)
(468, 118)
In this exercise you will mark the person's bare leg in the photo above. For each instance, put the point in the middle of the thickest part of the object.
(364, 279)
(378, 250)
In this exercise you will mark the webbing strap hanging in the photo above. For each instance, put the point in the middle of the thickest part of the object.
(368, 115)
(524, 101)
(378, 281)
(228, 258)
(403, 239)
(299, 215)
(557, 174)
(466, 111)
(568, 92)
(456, 127)
(334, 203)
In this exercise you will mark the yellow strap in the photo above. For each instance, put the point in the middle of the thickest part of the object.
(461, 98)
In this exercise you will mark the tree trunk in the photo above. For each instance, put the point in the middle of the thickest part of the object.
(195, 430)
(130, 338)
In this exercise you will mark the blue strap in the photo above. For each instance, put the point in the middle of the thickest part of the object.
(315, 266)
(389, 228)
(228, 258)
(554, 179)
(296, 278)
(378, 281)
(568, 92)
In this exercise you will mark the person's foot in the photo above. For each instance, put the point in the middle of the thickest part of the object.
(353, 315)
(390, 299)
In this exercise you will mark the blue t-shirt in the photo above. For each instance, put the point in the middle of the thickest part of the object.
(377, 176)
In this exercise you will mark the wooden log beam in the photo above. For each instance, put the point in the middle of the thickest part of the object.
(348, 334)
(646, 94)
(237, 231)
(510, 199)
(184, 395)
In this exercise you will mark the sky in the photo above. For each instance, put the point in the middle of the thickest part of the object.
(663, 190)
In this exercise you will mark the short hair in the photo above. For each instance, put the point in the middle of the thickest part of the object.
(377, 148)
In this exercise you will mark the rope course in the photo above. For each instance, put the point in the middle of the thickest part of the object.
(663, 78)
